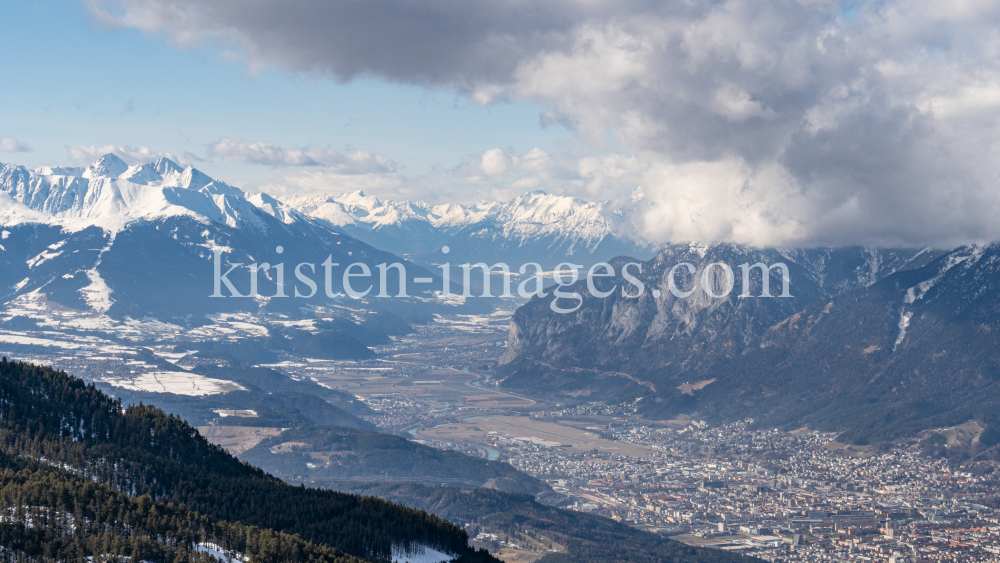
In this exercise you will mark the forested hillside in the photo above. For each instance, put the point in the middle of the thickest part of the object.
(586, 537)
(50, 514)
(139, 450)
(325, 452)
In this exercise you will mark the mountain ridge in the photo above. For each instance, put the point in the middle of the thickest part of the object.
(534, 226)
(916, 349)
(141, 243)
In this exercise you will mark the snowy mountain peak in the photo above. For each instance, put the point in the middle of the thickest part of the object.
(164, 166)
(554, 222)
(194, 179)
(275, 208)
(110, 194)
(359, 199)
(108, 166)
(142, 174)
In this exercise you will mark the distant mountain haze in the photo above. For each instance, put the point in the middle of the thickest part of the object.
(534, 227)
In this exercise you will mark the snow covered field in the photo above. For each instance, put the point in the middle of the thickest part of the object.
(25, 340)
(177, 382)
(475, 323)
(424, 555)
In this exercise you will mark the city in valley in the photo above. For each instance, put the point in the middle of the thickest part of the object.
(782, 496)
(779, 495)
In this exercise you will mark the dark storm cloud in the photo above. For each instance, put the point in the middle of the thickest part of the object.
(757, 121)
(431, 42)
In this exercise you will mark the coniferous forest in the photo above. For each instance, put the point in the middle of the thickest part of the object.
(82, 476)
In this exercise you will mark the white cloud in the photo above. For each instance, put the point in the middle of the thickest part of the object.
(10, 144)
(565, 173)
(86, 154)
(495, 162)
(495, 174)
(328, 181)
(756, 121)
(342, 162)
(735, 104)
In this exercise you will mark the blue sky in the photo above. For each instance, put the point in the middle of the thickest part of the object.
(71, 81)
(761, 122)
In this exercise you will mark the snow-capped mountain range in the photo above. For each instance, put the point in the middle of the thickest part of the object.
(99, 238)
(878, 343)
(138, 241)
(533, 227)
(110, 194)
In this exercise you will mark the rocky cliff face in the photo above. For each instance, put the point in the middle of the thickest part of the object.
(658, 334)
(917, 347)
(666, 330)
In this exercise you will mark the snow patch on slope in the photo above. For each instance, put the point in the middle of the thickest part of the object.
(98, 294)
(904, 323)
(215, 550)
(42, 258)
(422, 554)
(917, 292)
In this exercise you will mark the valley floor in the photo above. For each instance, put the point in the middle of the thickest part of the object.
(782, 496)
